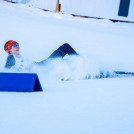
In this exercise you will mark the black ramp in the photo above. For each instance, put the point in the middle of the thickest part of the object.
(124, 8)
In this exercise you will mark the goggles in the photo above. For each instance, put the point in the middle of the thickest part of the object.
(15, 45)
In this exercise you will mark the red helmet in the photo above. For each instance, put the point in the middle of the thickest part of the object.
(8, 45)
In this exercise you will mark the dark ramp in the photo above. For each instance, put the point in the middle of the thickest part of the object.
(124, 8)
(19, 82)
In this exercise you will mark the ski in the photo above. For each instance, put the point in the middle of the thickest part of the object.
(125, 73)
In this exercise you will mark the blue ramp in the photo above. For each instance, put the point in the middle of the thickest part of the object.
(124, 8)
(19, 82)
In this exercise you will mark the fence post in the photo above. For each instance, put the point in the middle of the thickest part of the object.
(58, 5)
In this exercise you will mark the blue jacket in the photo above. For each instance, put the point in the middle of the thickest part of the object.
(10, 61)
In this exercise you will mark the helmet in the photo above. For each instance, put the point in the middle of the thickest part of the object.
(8, 45)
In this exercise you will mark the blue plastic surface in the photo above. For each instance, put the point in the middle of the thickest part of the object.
(124, 8)
(19, 82)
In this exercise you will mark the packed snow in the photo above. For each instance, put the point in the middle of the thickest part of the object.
(96, 106)
(93, 8)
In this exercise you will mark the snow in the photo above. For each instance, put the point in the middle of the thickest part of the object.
(96, 106)
(71, 107)
(96, 8)
(93, 8)
(44, 4)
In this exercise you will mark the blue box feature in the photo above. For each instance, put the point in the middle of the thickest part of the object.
(19, 82)
(124, 8)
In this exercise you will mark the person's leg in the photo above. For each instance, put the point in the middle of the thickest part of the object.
(59, 53)
(62, 51)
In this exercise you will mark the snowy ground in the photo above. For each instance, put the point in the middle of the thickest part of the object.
(96, 106)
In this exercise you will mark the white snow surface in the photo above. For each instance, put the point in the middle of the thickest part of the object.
(94, 106)
(93, 8)
(96, 8)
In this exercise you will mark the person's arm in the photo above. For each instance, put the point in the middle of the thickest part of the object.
(10, 62)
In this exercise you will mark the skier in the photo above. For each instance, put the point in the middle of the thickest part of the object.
(17, 62)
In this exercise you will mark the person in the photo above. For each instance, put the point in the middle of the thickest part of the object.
(17, 62)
